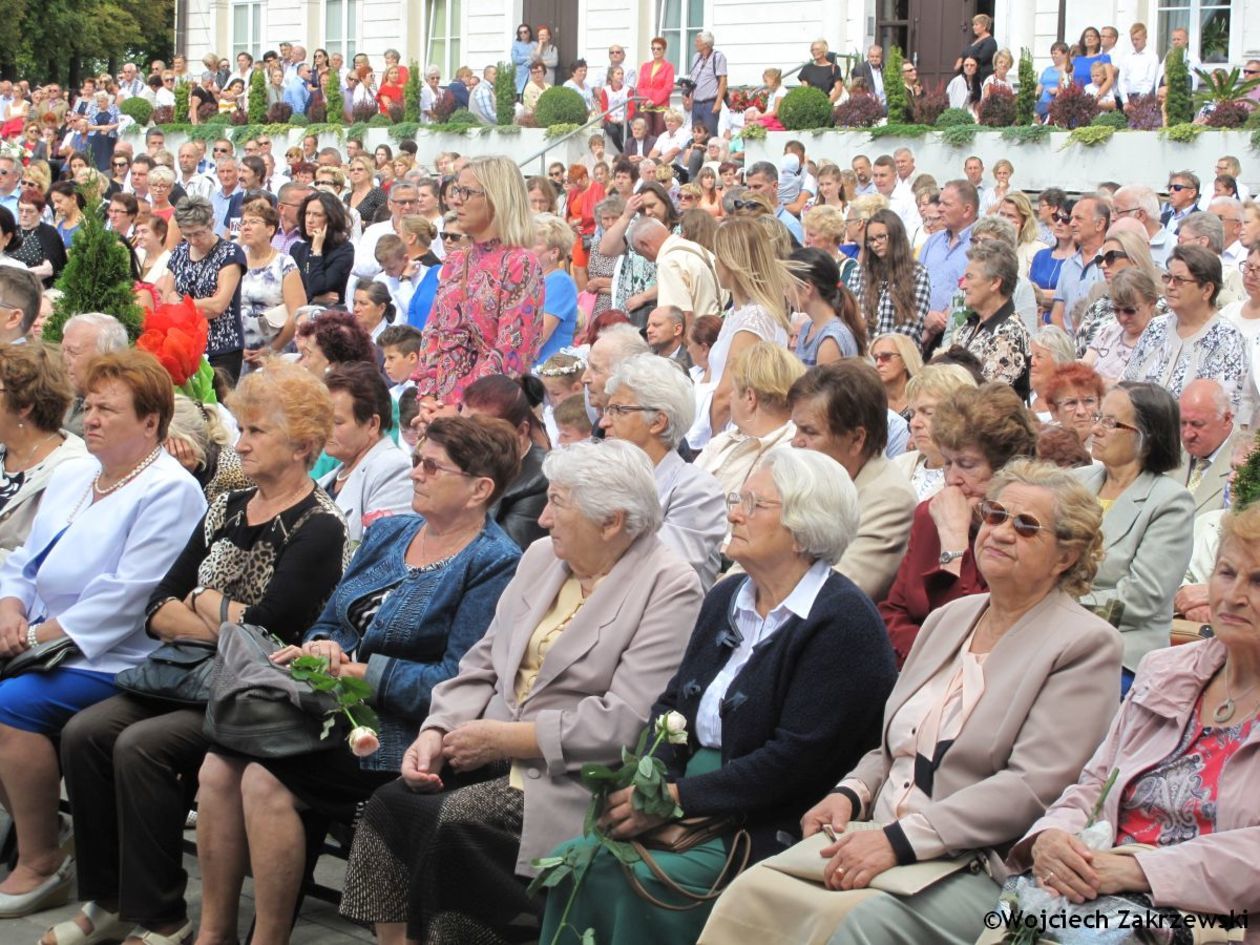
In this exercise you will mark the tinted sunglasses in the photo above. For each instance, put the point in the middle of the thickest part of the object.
(452, 237)
(994, 514)
(1063, 218)
(1110, 258)
(1178, 188)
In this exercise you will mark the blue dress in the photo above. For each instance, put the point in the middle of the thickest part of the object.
(1082, 64)
(522, 55)
(560, 299)
(1050, 79)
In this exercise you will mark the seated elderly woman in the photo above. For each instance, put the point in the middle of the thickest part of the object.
(107, 530)
(1184, 833)
(1074, 393)
(762, 376)
(37, 394)
(1007, 692)
(922, 462)
(420, 592)
(1148, 520)
(977, 431)
(268, 555)
(651, 403)
(372, 478)
(203, 446)
(1048, 347)
(759, 747)
(584, 639)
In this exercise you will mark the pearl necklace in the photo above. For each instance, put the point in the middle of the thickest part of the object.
(135, 471)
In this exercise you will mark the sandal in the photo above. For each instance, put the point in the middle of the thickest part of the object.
(178, 937)
(106, 927)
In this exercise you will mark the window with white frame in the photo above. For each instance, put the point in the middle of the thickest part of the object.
(247, 28)
(341, 27)
(678, 23)
(443, 50)
(1207, 23)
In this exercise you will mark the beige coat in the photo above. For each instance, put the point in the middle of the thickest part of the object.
(19, 512)
(886, 500)
(598, 681)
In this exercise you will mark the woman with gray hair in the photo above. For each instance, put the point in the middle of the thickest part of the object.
(652, 404)
(492, 782)
(760, 746)
(1048, 347)
(208, 268)
(103, 120)
(601, 269)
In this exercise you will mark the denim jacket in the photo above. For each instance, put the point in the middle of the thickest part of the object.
(423, 628)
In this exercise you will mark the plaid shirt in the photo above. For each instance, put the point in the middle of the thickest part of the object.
(886, 313)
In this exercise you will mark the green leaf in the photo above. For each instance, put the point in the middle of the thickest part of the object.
(624, 852)
(557, 876)
(593, 774)
(646, 768)
(359, 688)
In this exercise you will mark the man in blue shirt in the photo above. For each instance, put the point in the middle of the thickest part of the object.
(297, 93)
(763, 178)
(944, 255)
(481, 102)
(1090, 220)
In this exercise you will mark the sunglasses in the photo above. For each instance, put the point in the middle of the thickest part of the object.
(431, 467)
(1178, 188)
(994, 514)
(1063, 218)
(222, 151)
(1110, 258)
(451, 237)
(1127, 310)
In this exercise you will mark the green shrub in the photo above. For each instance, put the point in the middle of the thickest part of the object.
(1026, 95)
(953, 117)
(1116, 120)
(334, 103)
(896, 100)
(220, 119)
(299, 121)
(182, 92)
(239, 134)
(411, 94)
(754, 132)
(959, 136)
(505, 95)
(805, 107)
(1255, 140)
(899, 131)
(1026, 134)
(257, 100)
(1253, 120)
(1179, 104)
(1184, 133)
(1090, 136)
(138, 109)
(560, 106)
(380, 121)
(404, 131)
(462, 119)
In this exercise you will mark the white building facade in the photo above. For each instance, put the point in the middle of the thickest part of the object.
(752, 35)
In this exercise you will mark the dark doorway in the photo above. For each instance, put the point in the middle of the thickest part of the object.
(931, 32)
(562, 18)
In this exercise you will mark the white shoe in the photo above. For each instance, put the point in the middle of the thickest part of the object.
(54, 891)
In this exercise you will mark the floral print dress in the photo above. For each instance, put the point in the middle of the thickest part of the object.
(200, 279)
(261, 289)
(1217, 350)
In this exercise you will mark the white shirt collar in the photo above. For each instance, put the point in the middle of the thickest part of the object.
(799, 602)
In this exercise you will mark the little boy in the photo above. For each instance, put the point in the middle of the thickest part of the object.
(572, 423)
(401, 346)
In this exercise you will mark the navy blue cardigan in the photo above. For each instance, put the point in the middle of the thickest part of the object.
(424, 627)
(800, 714)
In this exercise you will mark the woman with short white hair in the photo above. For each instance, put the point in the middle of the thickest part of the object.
(651, 403)
(491, 783)
(758, 740)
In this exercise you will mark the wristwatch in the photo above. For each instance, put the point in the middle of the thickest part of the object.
(948, 556)
(32, 636)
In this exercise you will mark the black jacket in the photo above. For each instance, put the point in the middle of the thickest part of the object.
(799, 715)
(522, 501)
(326, 273)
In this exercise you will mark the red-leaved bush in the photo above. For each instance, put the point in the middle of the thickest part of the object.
(997, 108)
(1073, 107)
(859, 110)
(1145, 113)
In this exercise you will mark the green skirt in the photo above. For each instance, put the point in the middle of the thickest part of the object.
(606, 903)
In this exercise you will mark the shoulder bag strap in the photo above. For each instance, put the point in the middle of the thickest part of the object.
(736, 863)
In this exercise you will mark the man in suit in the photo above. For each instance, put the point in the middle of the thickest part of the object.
(871, 72)
(1207, 423)
(841, 409)
(665, 333)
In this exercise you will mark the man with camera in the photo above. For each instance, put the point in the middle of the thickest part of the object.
(704, 89)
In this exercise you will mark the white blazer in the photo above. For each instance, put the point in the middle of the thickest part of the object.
(380, 484)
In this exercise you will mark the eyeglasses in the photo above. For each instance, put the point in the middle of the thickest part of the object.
(120, 163)
(222, 151)
(748, 502)
(463, 193)
(1110, 258)
(1062, 218)
(1169, 279)
(1076, 403)
(994, 514)
(1178, 188)
(431, 467)
(1111, 423)
(883, 357)
(620, 410)
(1118, 212)
(1251, 72)
(874, 238)
(264, 142)
(1248, 270)
(451, 237)
(30, 183)
(1126, 310)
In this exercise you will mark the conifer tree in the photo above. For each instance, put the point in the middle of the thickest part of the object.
(257, 98)
(895, 89)
(1026, 97)
(1178, 106)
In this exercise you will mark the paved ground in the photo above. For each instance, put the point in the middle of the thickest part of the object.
(319, 923)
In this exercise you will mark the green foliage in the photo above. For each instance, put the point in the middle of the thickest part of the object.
(754, 132)
(404, 131)
(1228, 87)
(505, 95)
(898, 103)
(379, 121)
(221, 118)
(1026, 95)
(182, 92)
(560, 130)
(1253, 120)
(1178, 106)
(411, 94)
(206, 132)
(350, 692)
(239, 134)
(1183, 133)
(458, 122)
(97, 277)
(1116, 120)
(955, 117)
(1255, 140)
(138, 109)
(1246, 486)
(335, 103)
(326, 128)
(899, 131)
(959, 136)
(1090, 136)
(805, 107)
(357, 131)
(560, 106)
(257, 100)
(298, 121)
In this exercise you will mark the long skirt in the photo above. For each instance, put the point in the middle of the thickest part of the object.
(606, 901)
(445, 863)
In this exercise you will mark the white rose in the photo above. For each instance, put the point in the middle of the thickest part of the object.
(675, 724)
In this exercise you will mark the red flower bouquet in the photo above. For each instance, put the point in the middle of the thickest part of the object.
(176, 335)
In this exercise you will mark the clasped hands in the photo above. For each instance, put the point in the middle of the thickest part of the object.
(853, 859)
(339, 661)
(465, 748)
(1063, 864)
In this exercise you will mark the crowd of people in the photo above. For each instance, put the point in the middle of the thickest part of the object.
(885, 492)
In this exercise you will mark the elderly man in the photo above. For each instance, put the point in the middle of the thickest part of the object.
(228, 199)
(83, 338)
(1139, 202)
(1229, 210)
(686, 278)
(1183, 198)
(871, 72)
(841, 409)
(614, 345)
(862, 171)
(482, 103)
(763, 178)
(708, 73)
(195, 183)
(404, 199)
(1206, 230)
(1207, 425)
(1090, 219)
(289, 203)
(616, 60)
(129, 83)
(903, 160)
(884, 173)
(944, 255)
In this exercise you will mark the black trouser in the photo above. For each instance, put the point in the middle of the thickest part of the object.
(131, 769)
(614, 131)
(229, 361)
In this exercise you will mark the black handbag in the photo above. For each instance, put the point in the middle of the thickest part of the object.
(41, 658)
(176, 672)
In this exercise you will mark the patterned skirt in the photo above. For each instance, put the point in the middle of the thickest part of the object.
(445, 863)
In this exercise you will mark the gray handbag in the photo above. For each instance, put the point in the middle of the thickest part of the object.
(177, 672)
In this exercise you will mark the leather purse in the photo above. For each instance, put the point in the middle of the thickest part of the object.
(41, 658)
(679, 836)
(176, 672)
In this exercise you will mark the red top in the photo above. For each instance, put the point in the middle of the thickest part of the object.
(580, 208)
(656, 82)
(921, 586)
(387, 95)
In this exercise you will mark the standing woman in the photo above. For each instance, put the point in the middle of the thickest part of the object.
(1016, 208)
(1003, 63)
(390, 94)
(103, 131)
(600, 269)
(831, 188)
(893, 290)
(964, 89)
(547, 53)
(523, 50)
(1055, 76)
(1091, 51)
(487, 317)
(982, 49)
(834, 330)
(553, 239)
(1048, 263)
(364, 196)
(324, 254)
(1003, 171)
(582, 196)
(271, 288)
(535, 86)
(656, 83)
(208, 268)
(612, 94)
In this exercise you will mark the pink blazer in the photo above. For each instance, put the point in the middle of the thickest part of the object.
(656, 87)
(1213, 873)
